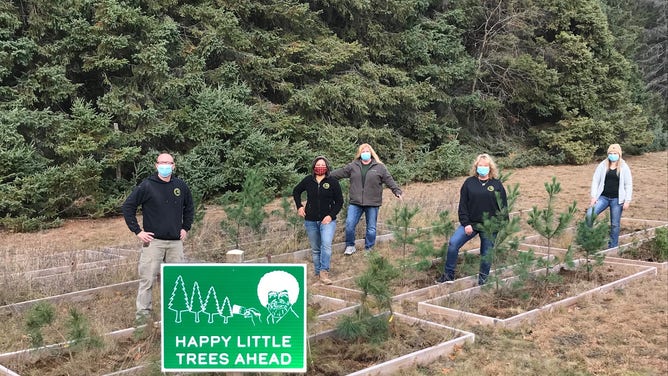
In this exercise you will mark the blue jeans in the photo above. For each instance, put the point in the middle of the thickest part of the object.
(457, 240)
(615, 216)
(320, 236)
(353, 217)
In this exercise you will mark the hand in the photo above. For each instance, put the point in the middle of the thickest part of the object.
(400, 197)
(593, 201)
(145, 237)
(326, 220)
(468, 229)
(626, 205)
(250, 312)
(301, 211)
(184, 234)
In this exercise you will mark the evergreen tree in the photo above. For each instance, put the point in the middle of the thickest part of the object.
(592, 237)
(550, 224)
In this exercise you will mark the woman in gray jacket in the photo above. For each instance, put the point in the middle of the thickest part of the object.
(611, 186)
(367, 175)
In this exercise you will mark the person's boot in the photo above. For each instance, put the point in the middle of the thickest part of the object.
(324, 277)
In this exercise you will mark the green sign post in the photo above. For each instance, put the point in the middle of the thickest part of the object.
(233, 317)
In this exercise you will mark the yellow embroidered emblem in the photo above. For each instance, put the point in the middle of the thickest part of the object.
(326, 185)
(490, 188)
(177, 192)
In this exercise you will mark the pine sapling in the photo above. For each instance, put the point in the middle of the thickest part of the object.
(80, 332)
(39, 316)
(403, 234)
(591, 238)
(660, 243)
(504, 230)
(294, 221)
(550, 224)
(443, 227)
(245, 209)
(425, 252)
(370, 323)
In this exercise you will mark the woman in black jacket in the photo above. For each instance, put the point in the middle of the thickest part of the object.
(477, 197)
(323, 202)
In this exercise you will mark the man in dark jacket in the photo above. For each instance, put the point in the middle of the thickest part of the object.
(168, 212)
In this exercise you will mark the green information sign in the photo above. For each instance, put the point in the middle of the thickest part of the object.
(234, 317)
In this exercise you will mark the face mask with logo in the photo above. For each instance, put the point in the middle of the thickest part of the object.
(320, 170)
(613, 157)
(164, 170)
(482, 170)
(365, 156)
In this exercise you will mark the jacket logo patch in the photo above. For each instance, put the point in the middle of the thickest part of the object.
(490, 188)
(177, 192)
(326, 185)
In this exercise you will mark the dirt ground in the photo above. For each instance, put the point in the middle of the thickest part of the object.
(618, 333)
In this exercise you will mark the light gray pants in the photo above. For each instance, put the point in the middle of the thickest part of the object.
(159, 251)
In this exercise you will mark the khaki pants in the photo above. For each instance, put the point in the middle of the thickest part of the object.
(158, 251)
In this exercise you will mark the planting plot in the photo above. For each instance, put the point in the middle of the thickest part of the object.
(55, 263)
(645, 251)
(508, 305)
(105, 312)
(114, 354)
(632, 230)
(332, 356)
(34, 287)
(649, 252)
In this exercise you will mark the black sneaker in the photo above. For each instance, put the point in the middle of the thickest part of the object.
(444, 279)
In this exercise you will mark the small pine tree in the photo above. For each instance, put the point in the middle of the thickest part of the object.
(403, 234)
(443, 227)
(425, 252)
(294, 221)
(77, 325)
(80, 332)
(375, 282)
(245, 209)
(506, 241)
(592, 237)
(39, 316)
(546, 223)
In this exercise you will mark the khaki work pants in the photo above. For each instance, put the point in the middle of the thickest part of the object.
(157, 252)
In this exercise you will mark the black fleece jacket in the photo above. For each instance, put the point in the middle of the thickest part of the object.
(476, 199)
(322, 199)
(167, 207)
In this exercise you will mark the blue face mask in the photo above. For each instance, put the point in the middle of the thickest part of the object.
(365, 156)
(613, 157)
(482, 170)
(164, 170)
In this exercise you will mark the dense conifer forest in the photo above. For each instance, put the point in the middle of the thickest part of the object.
(92, 90)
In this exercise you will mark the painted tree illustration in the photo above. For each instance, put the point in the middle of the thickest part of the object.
(196, 302)
(226, 310)
(211, 304)
(178, 300)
